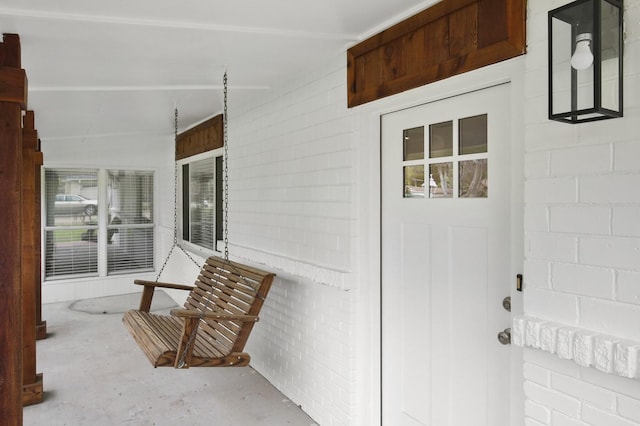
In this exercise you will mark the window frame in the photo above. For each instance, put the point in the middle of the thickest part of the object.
(218, 225)
(101, 229)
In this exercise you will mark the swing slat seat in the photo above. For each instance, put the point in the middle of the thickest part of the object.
(214, 325)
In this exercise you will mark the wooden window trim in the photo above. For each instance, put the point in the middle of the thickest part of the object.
(204, 137)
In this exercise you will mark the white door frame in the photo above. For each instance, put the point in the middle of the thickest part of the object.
(368, 252)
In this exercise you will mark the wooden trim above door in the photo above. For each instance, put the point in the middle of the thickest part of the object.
(449, 38)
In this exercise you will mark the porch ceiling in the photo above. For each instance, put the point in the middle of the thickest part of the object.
(118, 67)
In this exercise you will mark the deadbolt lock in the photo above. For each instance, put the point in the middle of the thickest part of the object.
(506, 303)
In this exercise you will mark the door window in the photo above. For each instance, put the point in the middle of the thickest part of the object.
(456, 159)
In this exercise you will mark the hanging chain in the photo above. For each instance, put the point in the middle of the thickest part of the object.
(194, 332)
(175, 203)
(187, 346)
(226, 170)
(175, 179)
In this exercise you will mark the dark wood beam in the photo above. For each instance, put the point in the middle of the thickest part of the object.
(206, 136)
(451, 37)
(12, 81)
(32, 381)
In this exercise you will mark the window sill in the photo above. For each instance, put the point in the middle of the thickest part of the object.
(201, 251)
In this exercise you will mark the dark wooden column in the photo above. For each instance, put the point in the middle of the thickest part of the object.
(13, 99)
(32, 381)
(41, 326)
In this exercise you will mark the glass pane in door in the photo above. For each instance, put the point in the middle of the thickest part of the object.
(473, 179)
(413, 182)
(413, 140)
(473, 134)
(441, 139)
(441, 180)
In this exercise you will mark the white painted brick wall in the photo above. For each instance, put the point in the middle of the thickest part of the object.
(617, 319)
(602, 399)
(290, 175)
(551, 398)
(629, 408)
(626, 220)
(551, 190)
(580, 219)
(560, 419)
(291, 209)
(587, 393)
(586, 160)
(538, 273)
(628, 287)
(582, 248)
(614, 252)
(536, 163)
(561, 307)
(302, 345)
(610, 188)
(625, 156)
(537, 412)
(551, 246)
(536, 218)
(584, 280)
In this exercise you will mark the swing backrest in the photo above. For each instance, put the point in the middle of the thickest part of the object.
(232, 288)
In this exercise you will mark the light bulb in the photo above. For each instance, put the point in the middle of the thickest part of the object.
(582, 57)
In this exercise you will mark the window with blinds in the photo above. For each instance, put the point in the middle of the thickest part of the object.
(71, 222)
(130, 227)
(202, 202)
(83, 238)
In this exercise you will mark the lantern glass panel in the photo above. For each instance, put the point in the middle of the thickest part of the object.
(610, 52)
(585, 89)
(560, 65)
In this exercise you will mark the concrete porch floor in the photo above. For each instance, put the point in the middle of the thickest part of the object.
(95, 374)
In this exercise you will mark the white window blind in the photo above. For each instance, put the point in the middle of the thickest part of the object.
(71, 222)
(83, 238)
(130, 227)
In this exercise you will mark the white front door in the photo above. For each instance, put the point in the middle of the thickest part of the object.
(446, 261)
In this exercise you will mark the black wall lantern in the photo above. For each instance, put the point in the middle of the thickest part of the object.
(585, 61)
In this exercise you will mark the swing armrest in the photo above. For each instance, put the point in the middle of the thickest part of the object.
(222, 316)
(163, 285)
(149, 287)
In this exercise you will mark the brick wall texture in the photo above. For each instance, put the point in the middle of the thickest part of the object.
(291, 207)
(582, 238)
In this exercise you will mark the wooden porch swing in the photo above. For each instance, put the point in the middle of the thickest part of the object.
(213, 326)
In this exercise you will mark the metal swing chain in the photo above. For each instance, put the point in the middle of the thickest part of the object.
(194, 332)
(175, 179)
(225, 121)
(226, 170)
(175, 204)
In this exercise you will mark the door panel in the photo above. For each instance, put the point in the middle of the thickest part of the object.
(445, 261)
(415, 346)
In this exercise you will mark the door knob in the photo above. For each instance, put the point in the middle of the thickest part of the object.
(504, 337)
(506, 303)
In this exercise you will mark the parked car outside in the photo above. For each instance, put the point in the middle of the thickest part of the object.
(75, 204)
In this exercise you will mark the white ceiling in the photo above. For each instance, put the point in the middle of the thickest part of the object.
(108, 68)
